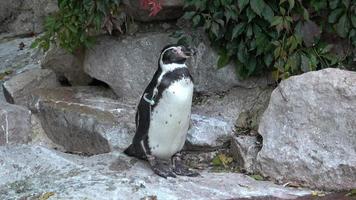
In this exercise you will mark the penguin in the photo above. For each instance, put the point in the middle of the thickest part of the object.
(163, 115)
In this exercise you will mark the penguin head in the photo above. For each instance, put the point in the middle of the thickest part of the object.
(173, 54)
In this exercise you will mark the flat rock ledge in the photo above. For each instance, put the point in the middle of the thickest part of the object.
(32, 172)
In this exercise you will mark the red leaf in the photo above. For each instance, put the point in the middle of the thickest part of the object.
(153, 5)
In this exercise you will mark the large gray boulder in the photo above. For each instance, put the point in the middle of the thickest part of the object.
(25, 16)
(128, 64)
(171, 9)
(67, 66)
(19, 87)
(309, 131)
(84, 119)
(15, 124)
(33, 172)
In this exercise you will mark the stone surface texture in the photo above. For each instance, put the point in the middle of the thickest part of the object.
(19, 87)
(309, 130)
(84, 119)
(128, 64)
(25, 16)
(12, 58)
(208, 131)
(171, 9)
(214, 114)
(66, 65)
(34, 172)
(244, 149)
(15, 124)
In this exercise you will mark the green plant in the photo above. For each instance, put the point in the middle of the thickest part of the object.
(260, 35)
(77, 22)
(73, 26)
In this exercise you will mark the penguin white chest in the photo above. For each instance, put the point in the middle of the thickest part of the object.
(170, 119)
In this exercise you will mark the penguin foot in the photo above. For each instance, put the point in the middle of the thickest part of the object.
(161, 168)
(181, 169)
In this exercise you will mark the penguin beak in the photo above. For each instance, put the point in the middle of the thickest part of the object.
(186, 52)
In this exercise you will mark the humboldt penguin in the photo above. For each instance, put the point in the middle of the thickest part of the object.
(163, 115)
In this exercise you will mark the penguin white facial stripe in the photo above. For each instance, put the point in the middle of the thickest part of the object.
(170, 67)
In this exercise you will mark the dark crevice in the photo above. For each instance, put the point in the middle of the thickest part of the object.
(96, 82)
(64, 81)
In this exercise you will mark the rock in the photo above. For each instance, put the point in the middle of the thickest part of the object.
(13, 60)
(25, 16)
(171, 9)
(127, 65)
(66, 66)
(19, 87)
(7, 9)
(208, 78)
(39, 137)
(208, 132)
(214, 114)
(244, 148)
(31, 172)
(15, 124)
(84, 119)
(309, 131)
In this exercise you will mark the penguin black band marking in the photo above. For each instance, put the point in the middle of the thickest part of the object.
(168, 79)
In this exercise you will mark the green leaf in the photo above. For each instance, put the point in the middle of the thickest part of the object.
(291, 4)
(333, 3)
(305, 66)
(189, 15)
(268, 13)
(216, 161)
(305, 13)
(261, 43)
(196, 20)
(257, 6)
(250, 14)
(215, 29)
(257, 177)
(267, 59)
(223, 60)
(293, 62)
(251, 65)
(346, 3)
(353, 20)
(249, 31)
(242, 54)
(277, 20)
(237, 30)
(242, 3)
(335, 15)
(319, 5)
(343, 26)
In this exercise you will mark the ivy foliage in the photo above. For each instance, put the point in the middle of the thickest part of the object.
(282, 36)
(77, 21)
